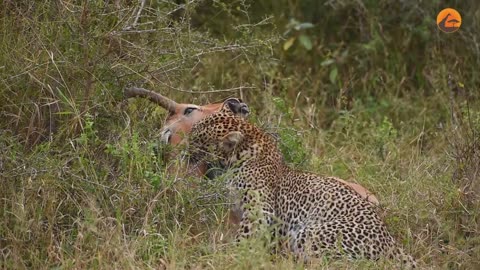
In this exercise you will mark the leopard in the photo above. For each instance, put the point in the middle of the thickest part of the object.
(315, 215)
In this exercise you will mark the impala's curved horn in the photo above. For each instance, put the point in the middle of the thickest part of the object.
(154, 97)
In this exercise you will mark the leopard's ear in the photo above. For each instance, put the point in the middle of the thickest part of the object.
(231, 140)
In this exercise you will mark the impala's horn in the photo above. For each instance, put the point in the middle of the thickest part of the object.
(154, 97)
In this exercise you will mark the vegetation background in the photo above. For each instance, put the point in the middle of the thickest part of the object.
(365, 90)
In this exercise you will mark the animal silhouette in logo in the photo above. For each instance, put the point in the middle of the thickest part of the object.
(449, 20)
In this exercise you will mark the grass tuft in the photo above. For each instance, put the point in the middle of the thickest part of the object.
(370, 91)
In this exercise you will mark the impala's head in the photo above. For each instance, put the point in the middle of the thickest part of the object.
(180, 121)
(183, 116)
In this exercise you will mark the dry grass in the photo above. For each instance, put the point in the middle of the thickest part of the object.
(83, 185)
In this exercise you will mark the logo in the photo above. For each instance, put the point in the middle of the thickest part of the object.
(449, 20)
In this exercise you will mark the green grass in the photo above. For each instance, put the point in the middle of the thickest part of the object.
(364, 95)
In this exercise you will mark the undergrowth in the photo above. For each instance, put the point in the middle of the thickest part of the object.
(370, 91)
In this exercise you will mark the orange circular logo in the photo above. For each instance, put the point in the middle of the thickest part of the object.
(449, 20)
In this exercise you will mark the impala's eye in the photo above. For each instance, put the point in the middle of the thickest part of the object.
(189, 110)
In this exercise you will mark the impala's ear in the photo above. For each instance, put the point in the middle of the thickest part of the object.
(231, 140)
(237, 107)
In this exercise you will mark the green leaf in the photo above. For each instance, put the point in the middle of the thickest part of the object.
(302, 26)
(327, 62)
(306, 42)
(333, 75)
(288, 43)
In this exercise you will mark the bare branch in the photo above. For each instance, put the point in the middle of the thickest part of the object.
(239, 88)
(137, 16)
(142, 4)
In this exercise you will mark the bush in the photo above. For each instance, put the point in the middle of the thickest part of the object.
(356, 89)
